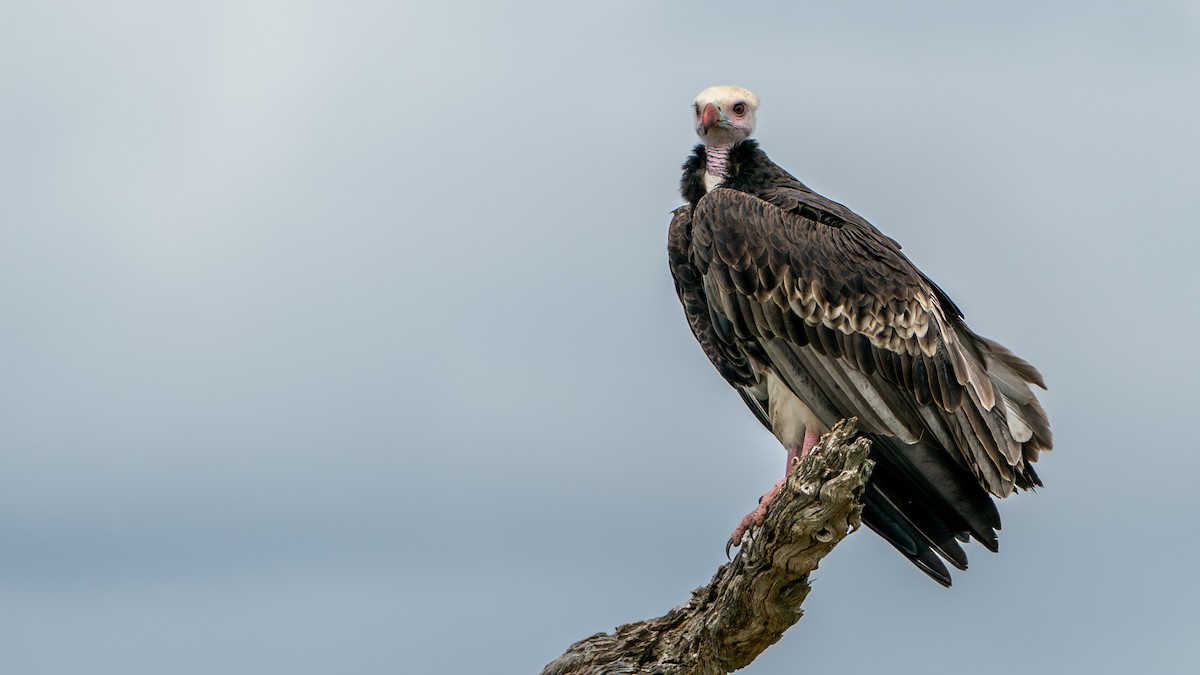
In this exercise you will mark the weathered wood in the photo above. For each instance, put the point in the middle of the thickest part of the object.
(752, 600)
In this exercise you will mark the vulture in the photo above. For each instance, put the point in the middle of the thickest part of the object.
(813, 315)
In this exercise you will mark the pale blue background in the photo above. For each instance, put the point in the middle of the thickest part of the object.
(338, 337)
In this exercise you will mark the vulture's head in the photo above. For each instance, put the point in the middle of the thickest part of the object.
(725, 114)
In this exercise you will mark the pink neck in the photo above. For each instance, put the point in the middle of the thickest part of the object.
(717, 160)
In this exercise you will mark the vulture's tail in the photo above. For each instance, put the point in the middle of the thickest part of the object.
(924, 504)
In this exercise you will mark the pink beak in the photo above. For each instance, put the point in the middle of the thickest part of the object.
(709, 116)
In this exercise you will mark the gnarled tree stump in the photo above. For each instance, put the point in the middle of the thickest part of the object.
(754, 598)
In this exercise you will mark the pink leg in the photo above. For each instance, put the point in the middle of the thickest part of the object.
(755, 517)
(811, 438)
(794, 454)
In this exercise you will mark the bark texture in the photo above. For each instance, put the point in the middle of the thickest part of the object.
(752, 600)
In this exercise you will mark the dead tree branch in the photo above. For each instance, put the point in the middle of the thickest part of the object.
(752, 600)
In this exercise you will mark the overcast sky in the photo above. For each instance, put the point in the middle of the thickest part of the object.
(339, 336)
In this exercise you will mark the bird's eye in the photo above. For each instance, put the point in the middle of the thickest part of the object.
(739, 108)
(697, 107)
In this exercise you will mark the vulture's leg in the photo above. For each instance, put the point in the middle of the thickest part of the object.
(755, 517)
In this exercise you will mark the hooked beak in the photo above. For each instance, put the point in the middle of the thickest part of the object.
(713, 116)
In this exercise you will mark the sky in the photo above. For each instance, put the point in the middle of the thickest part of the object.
(339, 337)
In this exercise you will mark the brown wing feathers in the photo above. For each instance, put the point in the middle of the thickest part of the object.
(872, 320)
(780, 275)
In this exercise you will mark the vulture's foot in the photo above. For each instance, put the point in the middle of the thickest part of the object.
(753, 519)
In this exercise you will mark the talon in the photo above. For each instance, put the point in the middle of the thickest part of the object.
(735, 539)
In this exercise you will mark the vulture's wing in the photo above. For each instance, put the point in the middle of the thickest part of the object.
(837, 307)
(804, 285)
